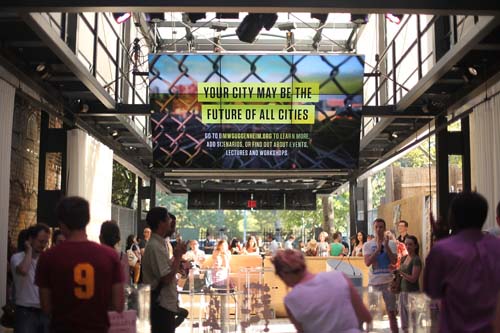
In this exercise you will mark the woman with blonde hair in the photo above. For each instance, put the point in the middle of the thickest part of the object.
(312, 248)
(221, 258)
(310, 305)
(323, 246)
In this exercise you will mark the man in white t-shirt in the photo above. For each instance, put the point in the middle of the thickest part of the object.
(29, 316)
(379, 253)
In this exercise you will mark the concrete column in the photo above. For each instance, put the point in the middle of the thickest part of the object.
(7, 96)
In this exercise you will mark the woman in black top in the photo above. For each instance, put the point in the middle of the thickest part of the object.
(410, 269)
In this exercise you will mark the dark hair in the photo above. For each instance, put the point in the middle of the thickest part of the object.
(404, 222)
(22, 237)
(110, 233)
(73, 212)
(234, 242)
(364, 237)
(415, 240)
(468, 210)
(155, 216)
(498, 209)
(34, 230)
(379, 219)
(130, 241)
(337, 235)
(172, 217)
(289, 261)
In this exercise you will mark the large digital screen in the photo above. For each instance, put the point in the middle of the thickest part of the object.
(274, 112)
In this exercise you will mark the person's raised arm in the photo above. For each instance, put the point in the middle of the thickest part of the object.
(392, 254)
(179, 251)
(370, 258)
(24, 266)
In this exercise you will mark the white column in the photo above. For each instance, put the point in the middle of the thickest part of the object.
(7, 95)
(485, 154)
(90, 173)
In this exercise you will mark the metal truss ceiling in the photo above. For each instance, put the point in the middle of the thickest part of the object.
(443, 7)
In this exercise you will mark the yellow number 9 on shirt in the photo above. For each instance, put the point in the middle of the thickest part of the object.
(83, 274)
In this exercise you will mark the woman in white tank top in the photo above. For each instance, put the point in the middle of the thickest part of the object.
(324, 302)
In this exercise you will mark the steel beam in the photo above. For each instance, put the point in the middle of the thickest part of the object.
(450, 59)
(52, 40)
(390, 111)
(443, 7)
(121, 109)
(459, 50)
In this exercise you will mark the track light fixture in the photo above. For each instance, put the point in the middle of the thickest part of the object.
(252, 24)
(394, 18)
(287, 26)
(122, 17)
(155, 17)
(359, 18)
(193, 17)
(218, 26)
(321, 17)
(43, 71)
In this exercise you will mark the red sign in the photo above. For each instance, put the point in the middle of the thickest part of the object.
(252, 204)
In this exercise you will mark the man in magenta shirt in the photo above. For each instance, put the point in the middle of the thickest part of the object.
(463, 270)
(79, 280)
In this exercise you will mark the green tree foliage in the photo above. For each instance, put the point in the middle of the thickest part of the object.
(378, 188)
(123, 186)
(257, 221)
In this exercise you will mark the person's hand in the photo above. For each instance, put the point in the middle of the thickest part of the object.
(180, 249)
(27, 246)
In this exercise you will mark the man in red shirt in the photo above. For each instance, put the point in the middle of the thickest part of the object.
(79, 280)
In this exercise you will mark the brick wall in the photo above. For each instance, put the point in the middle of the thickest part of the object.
(25, 165)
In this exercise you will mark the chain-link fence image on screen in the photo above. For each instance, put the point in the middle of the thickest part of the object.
(256, 111)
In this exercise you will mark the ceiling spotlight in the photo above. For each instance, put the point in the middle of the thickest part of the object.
(227, 15)
(218, 26)
(122, 17)
(469, 73)
(40, 67)
(249, 28)
(268, 20)
(84, 107)
(359, 18)
(472, 70)
(287, 26)
(193, 17)
(394, 135)
(394, 18)
(155, 17)
(114, 133)
(321, 17)
(43, 70)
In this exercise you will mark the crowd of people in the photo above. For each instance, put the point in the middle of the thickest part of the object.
(66, 283)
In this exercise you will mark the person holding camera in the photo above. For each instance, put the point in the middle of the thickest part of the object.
(380, 253)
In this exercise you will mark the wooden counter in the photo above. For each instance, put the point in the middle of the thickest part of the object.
(314, 265)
